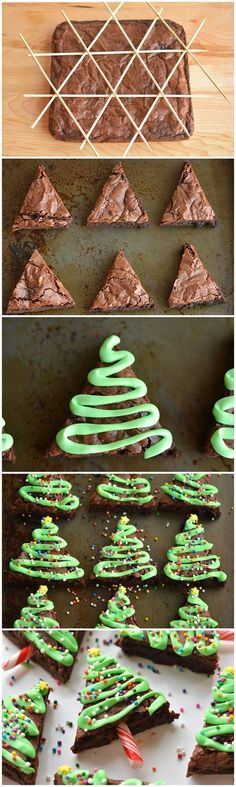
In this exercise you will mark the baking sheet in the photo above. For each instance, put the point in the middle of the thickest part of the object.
(184, 689)
(46, 361)
(81, 256)
(89, 531)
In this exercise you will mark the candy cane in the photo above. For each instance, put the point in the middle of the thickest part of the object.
(22, 655)
(226, 634)
(129, 746)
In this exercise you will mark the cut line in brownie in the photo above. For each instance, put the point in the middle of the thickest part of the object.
(122, 289)
(114, 125)
(42, 207)
(38, 289)
(189, 205)
(193, 286)
(117, 204)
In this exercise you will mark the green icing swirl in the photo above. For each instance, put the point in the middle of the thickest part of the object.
(68, 776)
(126, 490)
(197, 492)
(33, 617)
(125, 557)
(108, 685)
(190, 560)
(93, 406)
(46, 557)
(183, 644)
(38, 488)
(118, 612)
(7, 439)
(222, 415)
(194, 613)
(219, 717)
(18, 727)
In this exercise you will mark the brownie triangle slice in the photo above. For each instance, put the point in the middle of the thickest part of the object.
(23, 717)
(117, 203)
(42, 207)
(122, 289)
(38, 289)
(189, 204)
(193, 286)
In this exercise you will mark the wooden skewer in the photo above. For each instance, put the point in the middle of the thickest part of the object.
(148, 69)
(121, 95)
(164, 22)
(111, 52)
(106, 80)
(60, 97)
(164, 86)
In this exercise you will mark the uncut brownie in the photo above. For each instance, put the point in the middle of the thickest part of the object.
(45, 493)
(214, 750)
(128, 491)
(114, 125)
(22, 729)
(66, 775)
(196, 650)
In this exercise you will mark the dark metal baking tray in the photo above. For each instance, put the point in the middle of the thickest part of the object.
(46, 361)
(81, 255)
(155, 607)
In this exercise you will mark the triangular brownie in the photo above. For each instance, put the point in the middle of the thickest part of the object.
(42, 207)
(23, 718)
(188, 204)
(117, 203)
(122, 289)
(193, 286)
(38, 289)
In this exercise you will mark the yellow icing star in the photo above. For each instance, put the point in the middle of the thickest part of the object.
(94, 651)
(122, 589)
(124, 520)
(47, 520)
(195, 592)
(230, 670)
(64, 769)
(42, 685)
(193, 517)
(43, 589)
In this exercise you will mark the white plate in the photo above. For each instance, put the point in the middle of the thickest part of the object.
(183, 688)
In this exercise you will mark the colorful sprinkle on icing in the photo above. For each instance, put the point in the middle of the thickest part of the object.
(48, 491)
(126, 490)
(18, 727)
(126, 557)
(223, 412)
(192, 489)
(191, 559)
(45, 557)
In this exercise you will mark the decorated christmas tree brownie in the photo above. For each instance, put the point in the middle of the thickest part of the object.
(117, 204)
(221, 441)
(190, 492)
(7, 445)
(120, 612)
(196, 650)
(118, 421)
(214, 750)
(55, 649)
(125, 558)
(22, 728)
(124, 492)
(66, 775)
(43, 494)
(46, 558)
(112, 694)
(195, 614)
(191, 559)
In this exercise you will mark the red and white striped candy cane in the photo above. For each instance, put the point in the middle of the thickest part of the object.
(129, 745)
(226, 635)
(18, 658)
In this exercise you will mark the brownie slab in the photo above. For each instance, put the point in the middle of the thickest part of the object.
(114, 125)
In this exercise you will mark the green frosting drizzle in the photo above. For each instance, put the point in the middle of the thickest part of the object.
(68, 776)
(109, 686)
(93, 406)
(219, 717)
(43, 492)
(46, 557)
(18, 728)
(7, 439)
(196, 492)
(126, 490)
(125, 557)
(183, 643)
(119, 611)
(194, 613)
(35, 617)
(190, 560)
(223, 416)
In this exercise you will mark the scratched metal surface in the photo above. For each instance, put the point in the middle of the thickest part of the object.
(46, 361)
(155, 608)
(81, 256)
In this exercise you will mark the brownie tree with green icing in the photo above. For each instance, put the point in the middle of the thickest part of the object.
(20, 732)
(66, 775)
(195, 614)
(7, 439)
(120, 612)
(125, 557)
(46, 557)
(222, 438)
(123, 491)
(46, 491)
(98, 416)
(214, 752)
(191, 559)
(190, 490)
(183, 643)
